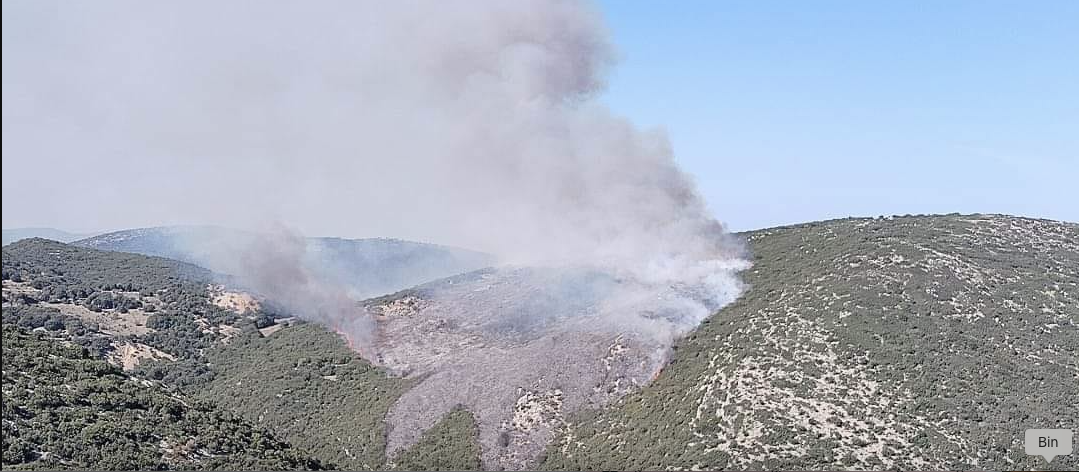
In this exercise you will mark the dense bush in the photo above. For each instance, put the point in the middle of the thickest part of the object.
(65, 409)
(105, 281)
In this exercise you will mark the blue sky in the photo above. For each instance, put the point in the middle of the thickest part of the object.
(797, 111)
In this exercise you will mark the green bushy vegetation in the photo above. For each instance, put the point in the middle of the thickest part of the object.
(43, 262)
(303, 384)
(173, 294)
(448, 445)
(961, 330)
(306, 384)
(970, 321)
(64, 409)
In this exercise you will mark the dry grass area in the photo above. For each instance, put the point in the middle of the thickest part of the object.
(223, 332)
(15, 288)
(129, 355)
(109, 321)
(239, 302)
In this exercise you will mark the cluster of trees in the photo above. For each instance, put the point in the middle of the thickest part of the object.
(63, 408)
(36, 258)
(99, 301)
(321, 397)
(303, 383)
(449, 445)
(31, 317)
(106, 280)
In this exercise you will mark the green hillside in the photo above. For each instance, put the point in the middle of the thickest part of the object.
(927, 342)
(305, 384)
(916, 342)
(280, 382)
(911, 343)
(94, 294)
(66, 410)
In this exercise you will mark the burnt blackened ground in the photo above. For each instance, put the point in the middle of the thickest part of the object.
(518, 348)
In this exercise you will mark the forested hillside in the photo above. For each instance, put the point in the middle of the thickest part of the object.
(162, 321)
(910, 342)
(153, 307)
(913, 342)
(64, 409)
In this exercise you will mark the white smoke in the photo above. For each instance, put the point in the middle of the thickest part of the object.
(274, 264)
(466, 123)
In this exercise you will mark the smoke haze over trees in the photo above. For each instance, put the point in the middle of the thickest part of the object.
(467, 124)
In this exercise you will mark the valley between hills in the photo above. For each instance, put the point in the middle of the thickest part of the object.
(916, 342)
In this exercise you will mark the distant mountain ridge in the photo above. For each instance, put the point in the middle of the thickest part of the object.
(368, 267)
(16, 234)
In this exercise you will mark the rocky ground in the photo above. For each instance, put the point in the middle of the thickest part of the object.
(517, 348)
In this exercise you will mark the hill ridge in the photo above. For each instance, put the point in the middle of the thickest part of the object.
(912, 342)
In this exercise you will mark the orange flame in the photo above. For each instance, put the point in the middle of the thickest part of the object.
(337, 329)
(362, 349)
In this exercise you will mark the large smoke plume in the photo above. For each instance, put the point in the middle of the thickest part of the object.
(473, 123)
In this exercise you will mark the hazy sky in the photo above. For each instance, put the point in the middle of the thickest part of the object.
(782, 112)
(478, 124)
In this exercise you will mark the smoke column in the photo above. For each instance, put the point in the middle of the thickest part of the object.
(466, 123)
(273, 262)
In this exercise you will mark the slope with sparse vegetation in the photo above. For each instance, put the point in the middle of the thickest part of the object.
(911, 343)
(107, 301)
(887, 343)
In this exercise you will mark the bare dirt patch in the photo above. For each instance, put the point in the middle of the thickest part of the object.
(238, 302)
(11, 287)
(110, 321)
(129, 355)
